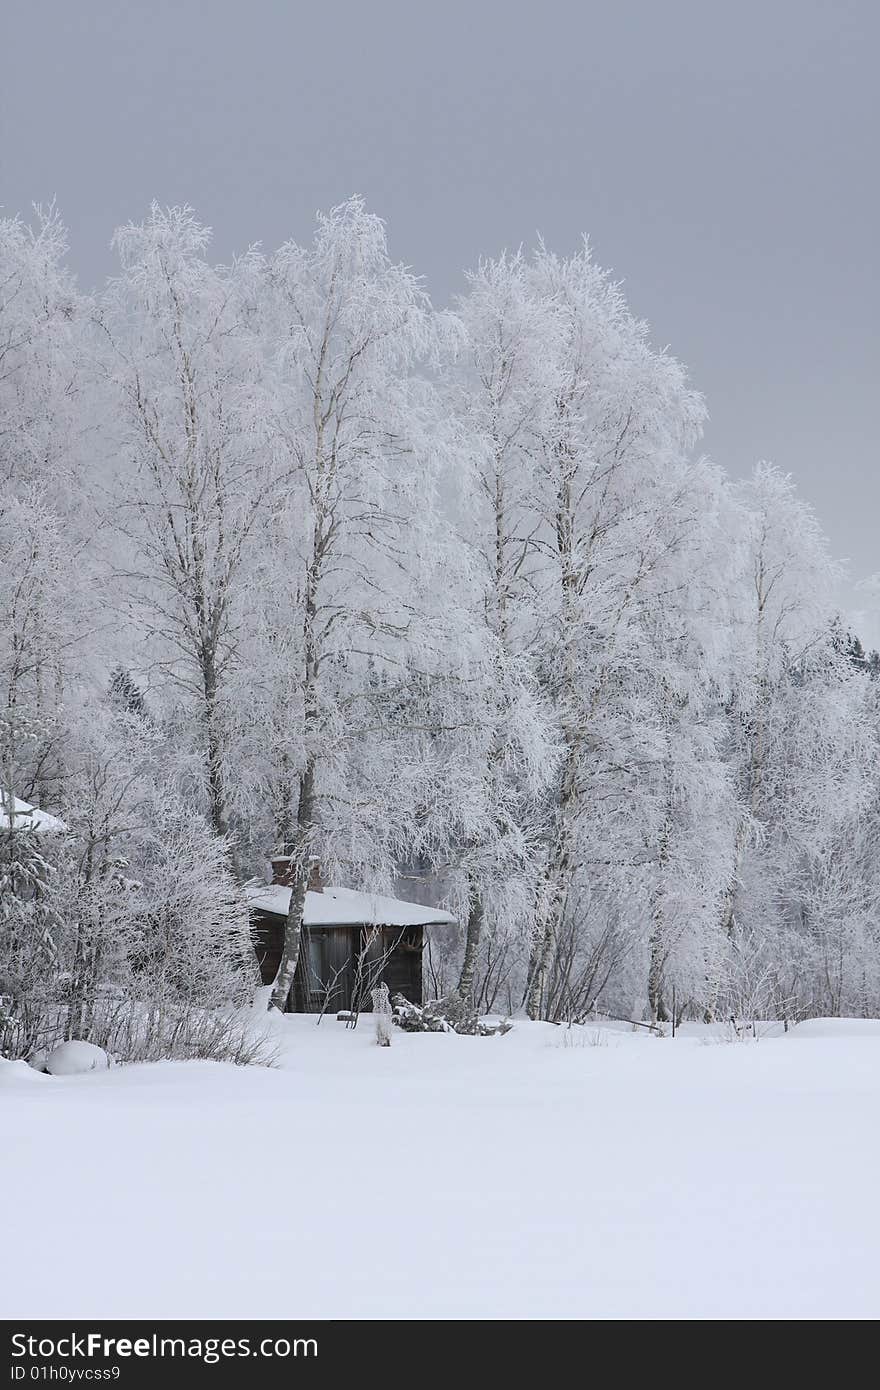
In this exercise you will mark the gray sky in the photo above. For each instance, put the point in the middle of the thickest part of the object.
(722, 157)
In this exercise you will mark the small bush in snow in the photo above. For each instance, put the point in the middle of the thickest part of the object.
(134, 1033)
(448, 1015)
(578, 1036)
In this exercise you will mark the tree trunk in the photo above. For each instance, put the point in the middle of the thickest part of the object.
(559, 870)
(656, 1002)
(294, 923)
(658, 944)
(292, 939)
(556, 888)
(728, 903)
(322, 530)
(538, 970)
(214, 743)
(476, 917)
(285, 821)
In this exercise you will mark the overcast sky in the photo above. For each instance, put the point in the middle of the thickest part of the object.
(722, 157)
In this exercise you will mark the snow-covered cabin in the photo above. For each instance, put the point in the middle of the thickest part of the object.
(351, 941)
(20, 815)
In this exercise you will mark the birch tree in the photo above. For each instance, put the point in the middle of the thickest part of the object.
(48, 599)
(504, 396)
(785, 612)
(359, 434)
(609, 502)
(43, 320)
(183, 364)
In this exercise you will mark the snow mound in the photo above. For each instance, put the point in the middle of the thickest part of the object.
(16, 1073)
(262, 1023)
(72, 1058)
(837, 1028)
(260, 1006)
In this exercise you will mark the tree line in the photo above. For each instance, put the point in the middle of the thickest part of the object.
(292, 561)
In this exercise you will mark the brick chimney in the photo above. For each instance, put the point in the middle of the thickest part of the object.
(283, 870)
(284, 873)
(316, 883)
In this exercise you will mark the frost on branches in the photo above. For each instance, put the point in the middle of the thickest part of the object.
(293, 562)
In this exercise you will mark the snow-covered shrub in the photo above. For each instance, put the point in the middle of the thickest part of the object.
(31, 944)
(175, 964)
(133, 1033)
(448, 1015)
(133, 938)
(189, 926)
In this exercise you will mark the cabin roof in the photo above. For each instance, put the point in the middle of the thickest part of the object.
(345, 907)
(26, 817)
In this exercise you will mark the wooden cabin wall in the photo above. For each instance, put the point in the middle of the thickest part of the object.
(403, 968)
(267, 934)
(325, 970)
(392, 954)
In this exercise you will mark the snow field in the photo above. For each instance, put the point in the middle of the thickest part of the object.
(595, 1173)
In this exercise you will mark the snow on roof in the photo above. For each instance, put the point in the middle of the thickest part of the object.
(344, 907)
(26, 817)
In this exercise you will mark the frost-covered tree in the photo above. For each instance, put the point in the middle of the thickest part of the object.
(783, 621)
(188, 496)
(43, 322)
(610, 530)
(685, 791)
(824, 840)
(45, 622)
(49, 606)
(356, 547)
(29, 932)
(288, 559)
(504, 393)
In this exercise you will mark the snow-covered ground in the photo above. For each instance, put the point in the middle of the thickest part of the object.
(591, 1173)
